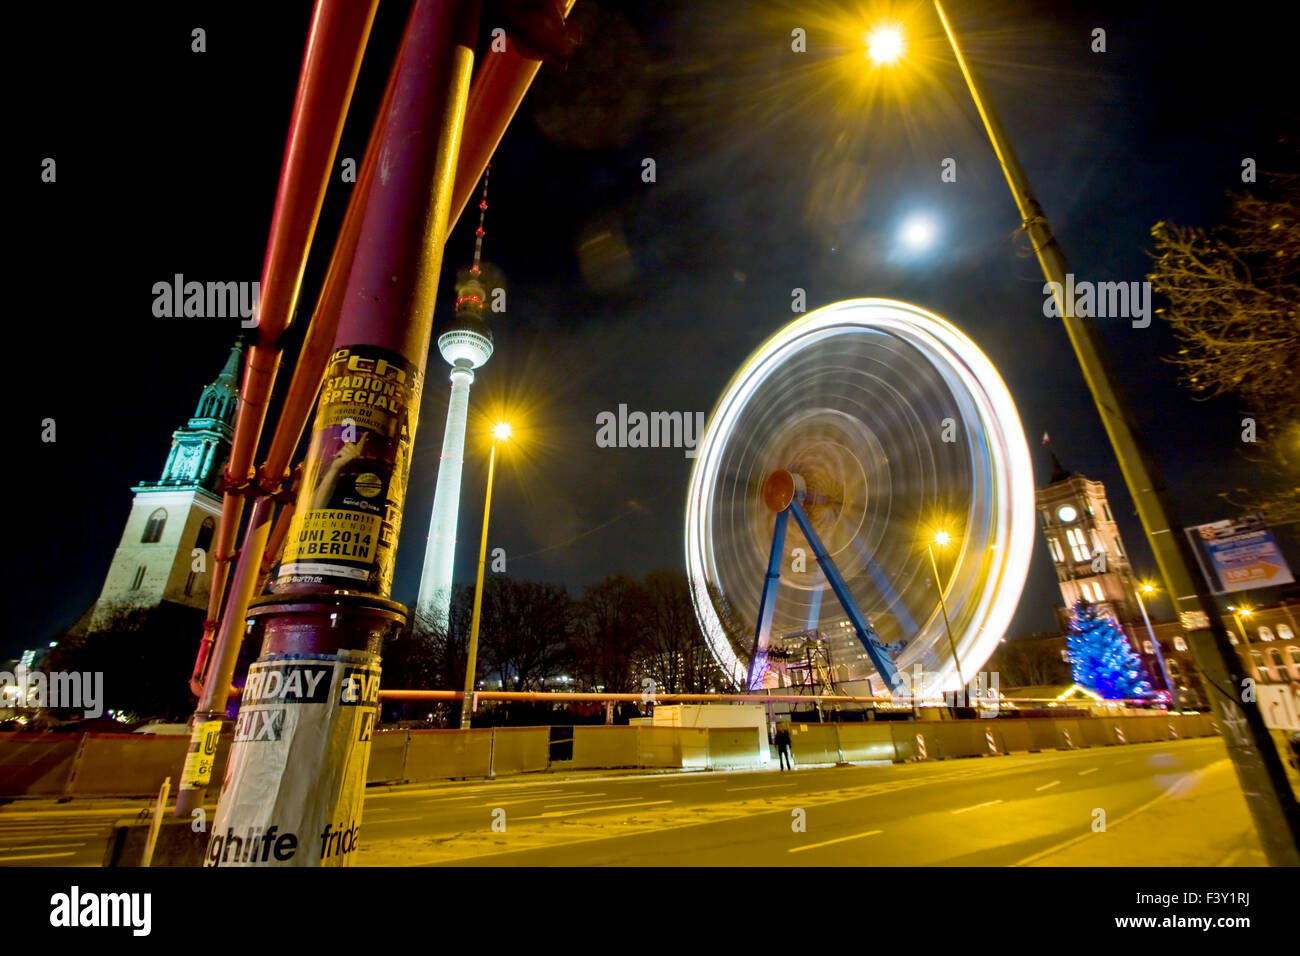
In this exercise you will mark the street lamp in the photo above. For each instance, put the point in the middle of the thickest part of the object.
(1238, 613)
(941, 538)
(1147, 587)
(1259, 769)
(500, 432)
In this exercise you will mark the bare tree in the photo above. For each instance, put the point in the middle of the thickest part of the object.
(524, 631)
(609, 634)
(1233, 303)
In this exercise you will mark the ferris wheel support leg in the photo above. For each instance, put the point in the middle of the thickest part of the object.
(767, 604)
(866, 633)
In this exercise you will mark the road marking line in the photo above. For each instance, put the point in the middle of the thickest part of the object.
(610, 806)
(693, 783)
(45, 846)
(987, 803)
(1047, 786)
(1084, 773)
(766, 786)
(594, 799)
(35, 856)
(856, 836)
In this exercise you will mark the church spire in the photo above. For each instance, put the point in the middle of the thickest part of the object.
(219, 399)
(199, 449)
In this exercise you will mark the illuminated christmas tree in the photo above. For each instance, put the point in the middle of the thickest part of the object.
(1101, 658)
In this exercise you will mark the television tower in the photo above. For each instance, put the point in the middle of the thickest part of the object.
(465, 345)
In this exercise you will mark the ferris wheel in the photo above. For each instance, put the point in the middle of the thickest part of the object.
(876, 426)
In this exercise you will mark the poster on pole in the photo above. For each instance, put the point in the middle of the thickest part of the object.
(1239, 555)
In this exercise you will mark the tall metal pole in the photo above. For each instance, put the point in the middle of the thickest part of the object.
(295, 780)
(471, 662)
(1259, 769)
(943, 606)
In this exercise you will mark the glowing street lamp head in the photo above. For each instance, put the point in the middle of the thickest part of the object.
(941, 538)
(1147, 587)
(885, 44)
(501, 431)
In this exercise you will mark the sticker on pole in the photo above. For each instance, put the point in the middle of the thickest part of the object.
(297, 770)
(344, 531)
(201, 756)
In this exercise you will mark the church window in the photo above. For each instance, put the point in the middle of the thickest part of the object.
(204, 539)
(1055, 547)
(153, 529)
(1284, 632)
(1266, 634)
(1078, 544)
(138, 579)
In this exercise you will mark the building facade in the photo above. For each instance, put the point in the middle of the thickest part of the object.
(164, 554)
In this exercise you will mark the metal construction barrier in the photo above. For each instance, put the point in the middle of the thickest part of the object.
(607, 746)
(867, 741)
(734, 749)
(448, 754)
(134, 765)
(814, 743)
(520, 749)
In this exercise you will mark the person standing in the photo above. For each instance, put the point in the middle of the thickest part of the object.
(783, 747)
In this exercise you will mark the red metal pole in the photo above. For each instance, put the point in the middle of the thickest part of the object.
(298, 764)
(331, 62)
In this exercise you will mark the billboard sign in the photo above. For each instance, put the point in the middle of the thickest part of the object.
(1239, 555)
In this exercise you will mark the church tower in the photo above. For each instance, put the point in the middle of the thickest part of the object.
(1084, 542)
(177, 515)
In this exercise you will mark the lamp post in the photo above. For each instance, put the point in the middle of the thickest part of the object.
(1149, 588)
(1238, 613)
(1259, 768)
(499, 434)
(941, 538)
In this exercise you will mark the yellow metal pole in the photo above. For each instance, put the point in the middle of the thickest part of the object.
(1259, 768)
(471, 661)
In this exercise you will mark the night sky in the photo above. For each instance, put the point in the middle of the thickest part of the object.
(775, 170)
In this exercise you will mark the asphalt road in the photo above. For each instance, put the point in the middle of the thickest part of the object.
(991, 811)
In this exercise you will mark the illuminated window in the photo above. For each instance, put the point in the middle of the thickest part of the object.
(1065, 655)
(1232, 639)
(138, 579)
(1276, 668)
(1106, 511)
(1261, 671)
(153, 528)
(1119, 546)
(1180, 644)
(1146, 646)
(1266, 634)
(1173, 668)
(1078, 544)
(1293, 653)
(1284, 633)
(1055, 547)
